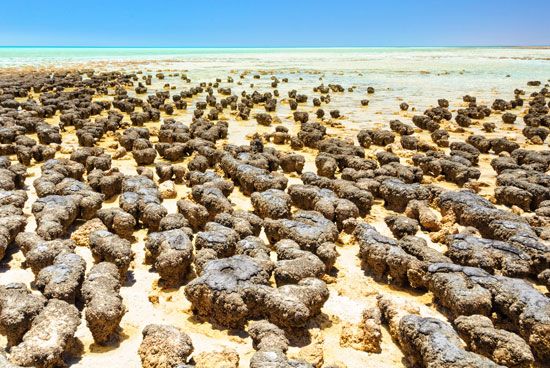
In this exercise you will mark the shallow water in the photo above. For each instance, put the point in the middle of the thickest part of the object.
(404, 67)
(418, 76)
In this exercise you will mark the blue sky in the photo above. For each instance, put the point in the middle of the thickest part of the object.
(264, 23)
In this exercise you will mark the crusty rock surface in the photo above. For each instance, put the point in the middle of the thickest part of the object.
(51, 334)
(104, 307)
(18, 307)
(430, 342)
(501, 346)
(171, 252)
(230, 290)
(109, 247)
(40, 253)
(63, 279)
(164, 346)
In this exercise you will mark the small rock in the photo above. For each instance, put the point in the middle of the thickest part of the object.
(367, 335)
(168, 189)
(518, 211)
(81, 236)
(473, 185)
(312, 353)
(66, 150)
(119, 153)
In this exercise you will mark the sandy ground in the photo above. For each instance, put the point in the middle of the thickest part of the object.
(351, 289)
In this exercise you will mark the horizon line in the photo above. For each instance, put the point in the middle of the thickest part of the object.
(272, 47)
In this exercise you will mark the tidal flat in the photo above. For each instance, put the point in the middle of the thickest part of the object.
(275, 207)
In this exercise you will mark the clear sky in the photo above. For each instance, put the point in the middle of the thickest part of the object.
(274, 23)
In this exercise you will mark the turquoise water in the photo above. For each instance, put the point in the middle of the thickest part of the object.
(15, 56)
(98, 52)
(387, 60)
(480, 62)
